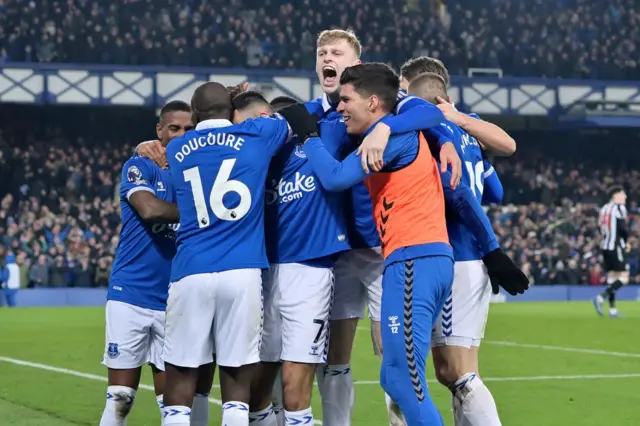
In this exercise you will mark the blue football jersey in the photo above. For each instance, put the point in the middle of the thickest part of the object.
(219, 172)
(142, 267)
(303, 222)
(361, 228)
(474, 167)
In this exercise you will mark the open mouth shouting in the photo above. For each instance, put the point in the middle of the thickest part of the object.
(329, 76)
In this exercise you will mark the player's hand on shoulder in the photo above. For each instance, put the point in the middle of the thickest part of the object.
(236, 90)
(504, 273)
(449, 157)
(154, 151)
(451, 113)
(372, 148)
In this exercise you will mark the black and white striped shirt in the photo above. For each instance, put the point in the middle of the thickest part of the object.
(613, 229)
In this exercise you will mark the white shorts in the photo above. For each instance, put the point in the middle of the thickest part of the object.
(134, 336)
(464, 315)
(221, 311)
(358, 284)
(297, 300)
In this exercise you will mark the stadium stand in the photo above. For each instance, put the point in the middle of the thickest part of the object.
(58, 180)
(60, 212)
(562, 38)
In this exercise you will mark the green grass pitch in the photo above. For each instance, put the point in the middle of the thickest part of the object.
(546, 364)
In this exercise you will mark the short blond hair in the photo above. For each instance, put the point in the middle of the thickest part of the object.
(428, 86)
(423, 64)
(333, 36)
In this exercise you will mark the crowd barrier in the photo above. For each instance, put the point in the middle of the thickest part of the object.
(97, 296)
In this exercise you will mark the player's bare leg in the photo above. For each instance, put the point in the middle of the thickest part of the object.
(200, 407)
(235, 387)
(277, 397)
(261, 407)
(158, 387)
(297, 387)
(121, 394)
(456, 368)
(179, 392)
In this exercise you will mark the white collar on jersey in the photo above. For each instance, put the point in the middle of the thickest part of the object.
(213, 124)
(326, 103)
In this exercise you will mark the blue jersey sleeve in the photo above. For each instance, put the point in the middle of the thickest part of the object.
(413, 114)
(315, 107)
(275, 131)
(493, 190)
(338, 176)
(463, 202)
(334, 175)
(440, 134)
(137, 175)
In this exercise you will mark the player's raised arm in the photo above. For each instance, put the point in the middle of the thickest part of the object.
(492, 137)
(137, 187)
(493, 190)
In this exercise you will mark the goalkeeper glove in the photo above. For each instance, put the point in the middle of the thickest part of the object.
(302, 122)
(504, 273)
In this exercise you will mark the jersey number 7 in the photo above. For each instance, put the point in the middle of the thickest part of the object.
(221, 186)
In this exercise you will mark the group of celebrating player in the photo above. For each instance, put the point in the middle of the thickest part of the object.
(275, 231)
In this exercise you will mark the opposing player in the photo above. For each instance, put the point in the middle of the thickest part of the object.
(358, 272)
(460, 328)
(137, 294)
(613, 244)
(215, 299)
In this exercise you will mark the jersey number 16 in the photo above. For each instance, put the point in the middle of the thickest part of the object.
(221, 186)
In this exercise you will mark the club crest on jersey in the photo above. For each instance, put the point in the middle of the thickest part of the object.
(112, 350)
(299, 152)
(134, 175)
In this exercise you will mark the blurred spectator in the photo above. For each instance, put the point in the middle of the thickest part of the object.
(103, 271)
(565, 39)
(58, 273)
(82, 273)
(39, 273)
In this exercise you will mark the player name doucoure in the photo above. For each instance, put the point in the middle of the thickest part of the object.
(212, 139)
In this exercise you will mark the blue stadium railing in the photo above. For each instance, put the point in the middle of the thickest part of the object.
(64, 84)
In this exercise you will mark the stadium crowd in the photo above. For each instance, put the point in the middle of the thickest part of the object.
(59, 209)
(558, 38)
